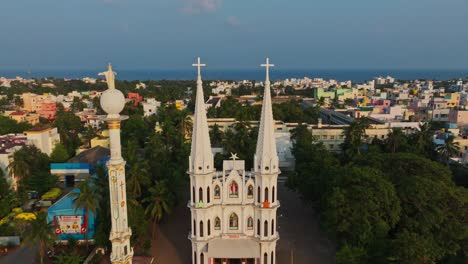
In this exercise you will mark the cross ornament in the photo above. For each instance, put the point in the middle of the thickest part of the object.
(199, 65)
(267, 65)
(234, 156)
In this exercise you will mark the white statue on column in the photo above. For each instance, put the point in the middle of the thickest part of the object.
(113, 102)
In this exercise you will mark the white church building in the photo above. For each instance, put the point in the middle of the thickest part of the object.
(233, 211)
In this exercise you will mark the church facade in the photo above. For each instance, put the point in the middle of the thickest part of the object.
(233, 211)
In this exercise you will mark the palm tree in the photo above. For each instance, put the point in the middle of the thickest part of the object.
(216, 136)
(39, 233)
(159, 202)
(448, 149)
(354, 135)
(185, 126)
(87, 198)
(423, 141)
(395, 140)
(137, 177)
(19, 168)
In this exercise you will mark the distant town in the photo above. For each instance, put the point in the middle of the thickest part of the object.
(330, 136)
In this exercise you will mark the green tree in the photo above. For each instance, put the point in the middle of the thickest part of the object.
(87, 198)
(448, 149)
(68, 126)
(69, 259)
(137, 177)
(422, 141)
(158, 202)
(354, 138)
(396, 140)
(362, 207)
(216, 136)
(59, 154)
(39, 233)
(8, 126)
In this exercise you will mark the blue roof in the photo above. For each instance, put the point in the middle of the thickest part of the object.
(66, 203)
(69, 166)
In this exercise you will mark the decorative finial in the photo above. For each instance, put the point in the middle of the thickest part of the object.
(199, 65)
(267, 65)
(234, 156)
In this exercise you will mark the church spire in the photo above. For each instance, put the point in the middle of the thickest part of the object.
(266, 158)
(201, 157)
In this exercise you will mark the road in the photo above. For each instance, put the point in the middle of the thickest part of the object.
(21, 255)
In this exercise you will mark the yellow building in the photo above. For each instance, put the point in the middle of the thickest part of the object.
(25, 117)
(101, 140)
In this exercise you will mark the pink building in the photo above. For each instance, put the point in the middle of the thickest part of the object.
(459, 117)
(47, 109)
(135, 97)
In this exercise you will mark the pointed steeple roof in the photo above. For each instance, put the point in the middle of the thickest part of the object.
(201, 157)
(266, 157)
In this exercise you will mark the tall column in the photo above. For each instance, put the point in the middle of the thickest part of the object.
(112, 102)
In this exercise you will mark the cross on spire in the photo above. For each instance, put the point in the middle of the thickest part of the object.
(199, 65)
(267, 65)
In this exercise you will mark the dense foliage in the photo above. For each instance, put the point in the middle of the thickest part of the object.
(384, 202)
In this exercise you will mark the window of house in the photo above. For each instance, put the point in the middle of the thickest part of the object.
(200, 194)
(217, 192)
(265, 228)
(233, 189)
(250, 223)
(233, 222)
(209, 227)
(208, 194)
(250, 191)
(266, 194)
(217, 223)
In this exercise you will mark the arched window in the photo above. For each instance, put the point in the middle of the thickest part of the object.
(201, 228)
(233, 222)
(208, 194)
(250, 223)
(209, 227)
(266, 194)
(217, 192)
(200, 194)
(233, 189)
(258, 195)
(258, 227)
(193, 193)
(273, 195)
(217, 223)
(250, 191)
(272, 258)
(272, 227)
(265, 228)
(265, 258)
(195, 257)
(202, 258)
(194, 228)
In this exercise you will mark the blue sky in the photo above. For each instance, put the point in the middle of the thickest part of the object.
(237, 34)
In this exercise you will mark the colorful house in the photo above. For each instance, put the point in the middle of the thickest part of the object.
(70, 222)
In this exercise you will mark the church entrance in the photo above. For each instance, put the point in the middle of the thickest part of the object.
(234, 261)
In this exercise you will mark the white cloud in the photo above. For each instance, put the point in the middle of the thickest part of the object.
(201, 6)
